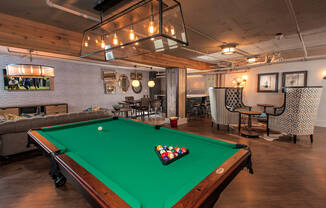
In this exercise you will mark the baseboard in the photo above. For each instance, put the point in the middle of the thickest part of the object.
(321, 123)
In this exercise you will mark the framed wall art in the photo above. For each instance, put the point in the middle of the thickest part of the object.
(267, 82)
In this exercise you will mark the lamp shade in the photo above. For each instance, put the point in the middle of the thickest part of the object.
(151, 83)
(135, 83)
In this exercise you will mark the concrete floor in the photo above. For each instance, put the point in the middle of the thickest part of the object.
(286, 175)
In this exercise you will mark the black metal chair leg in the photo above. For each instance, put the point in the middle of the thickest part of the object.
(294, 139)
(218, 126)
(312, 138)
(212, 124)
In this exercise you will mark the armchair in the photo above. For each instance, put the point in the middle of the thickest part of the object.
(298, 114)
(224, 104)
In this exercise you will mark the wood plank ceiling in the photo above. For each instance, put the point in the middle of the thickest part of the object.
(23, 33)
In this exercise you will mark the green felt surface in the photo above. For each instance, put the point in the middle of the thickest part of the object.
(122, 157)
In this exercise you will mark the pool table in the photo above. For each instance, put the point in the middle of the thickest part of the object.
(118, 166)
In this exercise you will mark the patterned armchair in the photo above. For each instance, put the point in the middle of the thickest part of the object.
(224, 104)
(298, 114)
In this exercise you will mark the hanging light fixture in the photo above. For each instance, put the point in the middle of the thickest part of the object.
(151, 22)
(115, 39)
(151, 25)
(102, 44)
(131, 33)
(29, 70)
(228, 49)
(139, 25)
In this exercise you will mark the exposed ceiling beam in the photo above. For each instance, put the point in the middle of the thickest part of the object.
(22, 33)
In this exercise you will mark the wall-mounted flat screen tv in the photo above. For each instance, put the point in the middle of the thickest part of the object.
(30, 83)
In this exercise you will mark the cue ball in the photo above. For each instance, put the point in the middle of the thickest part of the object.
(100, 128)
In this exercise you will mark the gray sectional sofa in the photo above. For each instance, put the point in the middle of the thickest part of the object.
(13, 134)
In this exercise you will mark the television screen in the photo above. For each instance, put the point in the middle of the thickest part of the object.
(25, 82)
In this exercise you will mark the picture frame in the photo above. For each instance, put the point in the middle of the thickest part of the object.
(109, 75)
(294, 79)
(132, 75)
(268, 82)
(139, 75)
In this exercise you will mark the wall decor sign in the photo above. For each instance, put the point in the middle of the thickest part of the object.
(109, 80)
(132, 75)
(267, 82)
(294, 79)
(139, 75)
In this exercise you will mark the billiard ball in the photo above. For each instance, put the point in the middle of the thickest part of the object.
(165, 147)
(162, 151)
(100, 128)
(164, 154)
(171, 155)
(170, 147)
(183, 150)
(159, 147)
(180, 151)
(175, 154)
(177, 149)
(165, 158)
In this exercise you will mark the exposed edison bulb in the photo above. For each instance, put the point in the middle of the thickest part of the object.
(122, 45)
(32, 70)
(137, 43)
(152, 39)
(103, 44)
(86, 44)
(88, 38)
(115, 39)
(96, 41)
(131, 33)
(172, 30)
(151, 25)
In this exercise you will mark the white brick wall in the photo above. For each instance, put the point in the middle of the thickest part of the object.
(79, 85)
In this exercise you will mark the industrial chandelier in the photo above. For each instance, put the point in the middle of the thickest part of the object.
(29, 70)
(145, 27)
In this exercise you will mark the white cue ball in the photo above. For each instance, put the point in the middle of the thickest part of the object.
(100, 128)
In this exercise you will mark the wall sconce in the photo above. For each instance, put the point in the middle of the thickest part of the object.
(324, 74)
(240, 81)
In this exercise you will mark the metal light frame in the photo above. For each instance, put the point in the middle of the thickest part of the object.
(128, 10)
(41, 67)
